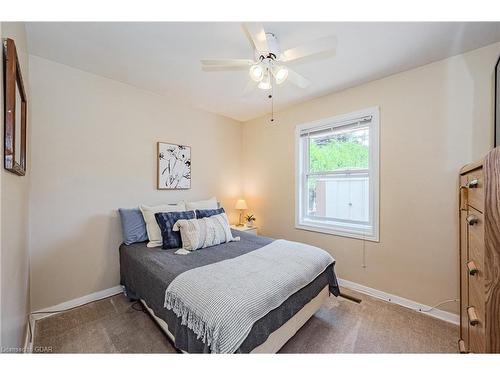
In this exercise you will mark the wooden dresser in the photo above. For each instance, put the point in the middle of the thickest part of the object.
(480, 255)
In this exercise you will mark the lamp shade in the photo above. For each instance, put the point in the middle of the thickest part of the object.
(265, 83)
(280, 73)
(256, 72)
(241, 204)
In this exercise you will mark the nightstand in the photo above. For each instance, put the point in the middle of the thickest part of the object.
(244, 228)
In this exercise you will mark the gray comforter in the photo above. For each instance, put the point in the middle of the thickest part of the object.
(147, 272)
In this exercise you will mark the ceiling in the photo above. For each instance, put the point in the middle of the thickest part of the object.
(164, 57)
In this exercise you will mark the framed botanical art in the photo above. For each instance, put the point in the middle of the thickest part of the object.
(174, 166)
(15, 105)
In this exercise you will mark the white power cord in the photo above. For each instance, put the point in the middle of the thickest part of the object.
(438, 304)
(419, 309)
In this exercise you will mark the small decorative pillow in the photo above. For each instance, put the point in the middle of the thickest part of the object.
(154, 233)
(200, 233)
(200, 214)
(133, 225)
(166, 221)
(209, 204)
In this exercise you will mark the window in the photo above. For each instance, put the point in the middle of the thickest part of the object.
(337, 177)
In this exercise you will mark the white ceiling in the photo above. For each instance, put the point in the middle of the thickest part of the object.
(164, 57)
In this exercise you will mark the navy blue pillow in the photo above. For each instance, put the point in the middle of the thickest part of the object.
(166, 221)
(200, 214)
(133, 225)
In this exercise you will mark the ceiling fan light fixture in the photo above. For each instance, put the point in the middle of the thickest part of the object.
(256, 72)
(265, 83)
(280, 74)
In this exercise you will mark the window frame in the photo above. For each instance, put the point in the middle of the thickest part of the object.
(302, 162)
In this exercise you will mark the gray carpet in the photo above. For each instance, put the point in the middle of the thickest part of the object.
(340, 326)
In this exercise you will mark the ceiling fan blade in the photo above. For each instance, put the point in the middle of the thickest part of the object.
(297, 79)
(322, 45)
(226, 62)
(257, 35)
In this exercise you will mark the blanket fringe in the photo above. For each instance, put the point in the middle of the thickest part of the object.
(193, 321)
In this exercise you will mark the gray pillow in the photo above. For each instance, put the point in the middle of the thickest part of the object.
(201, 233)
(133, 225)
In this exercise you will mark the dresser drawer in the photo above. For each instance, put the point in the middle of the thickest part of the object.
(476, 279)
(475, 189)
(475, 232)
(477, 341)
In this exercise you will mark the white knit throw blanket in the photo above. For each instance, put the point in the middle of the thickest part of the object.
(220, 302)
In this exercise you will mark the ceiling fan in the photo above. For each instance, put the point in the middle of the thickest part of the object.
(270, 64)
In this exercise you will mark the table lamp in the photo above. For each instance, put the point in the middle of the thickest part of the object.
(241, 205)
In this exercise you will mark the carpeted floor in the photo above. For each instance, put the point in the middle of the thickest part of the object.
(340, 326)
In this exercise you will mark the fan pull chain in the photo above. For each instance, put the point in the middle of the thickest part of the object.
(272, 102)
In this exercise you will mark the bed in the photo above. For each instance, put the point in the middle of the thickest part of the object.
(146, 273)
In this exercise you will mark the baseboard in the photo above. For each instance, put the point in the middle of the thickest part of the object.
(46, 312)
(436, 313)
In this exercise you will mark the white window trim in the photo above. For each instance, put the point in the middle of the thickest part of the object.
(303, 223)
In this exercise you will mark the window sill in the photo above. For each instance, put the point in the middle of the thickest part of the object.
(337, 231)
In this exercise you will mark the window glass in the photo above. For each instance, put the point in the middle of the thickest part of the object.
(338, 175)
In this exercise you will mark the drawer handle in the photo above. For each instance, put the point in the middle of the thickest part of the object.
(472, 184)
(471, 220)
(472, 268)
(473, 319)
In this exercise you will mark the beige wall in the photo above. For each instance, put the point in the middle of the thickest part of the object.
(94, 150)
(15, 298)
(433, 120)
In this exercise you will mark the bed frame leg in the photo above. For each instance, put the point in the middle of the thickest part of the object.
(350, 298)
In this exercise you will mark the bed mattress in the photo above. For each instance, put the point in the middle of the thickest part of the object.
(147, 272)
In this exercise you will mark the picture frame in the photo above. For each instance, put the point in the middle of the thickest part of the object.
(173, 166)
(15, 108)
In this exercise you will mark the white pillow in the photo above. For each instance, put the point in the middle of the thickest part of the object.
(201, 233)
(209, 204)
(148, 212)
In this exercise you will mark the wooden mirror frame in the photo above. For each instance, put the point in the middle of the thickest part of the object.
(12, 77)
